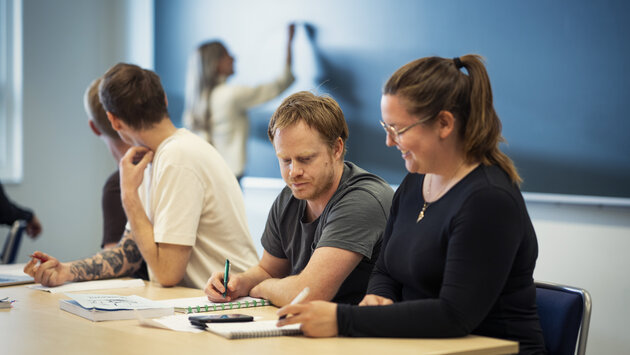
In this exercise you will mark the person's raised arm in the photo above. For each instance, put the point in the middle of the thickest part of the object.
(123, 260)
(324, 274)
(250, 96)
(291, 31)
(167, 261)
(240, 285)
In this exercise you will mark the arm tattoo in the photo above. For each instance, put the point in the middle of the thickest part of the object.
(122, 260)
(132, 253)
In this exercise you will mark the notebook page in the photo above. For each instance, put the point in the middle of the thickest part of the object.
(241, 330)
(178, 322)
(13, 269)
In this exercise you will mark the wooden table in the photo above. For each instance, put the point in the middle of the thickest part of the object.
(36, 325)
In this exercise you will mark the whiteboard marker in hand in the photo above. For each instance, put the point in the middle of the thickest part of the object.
(299, 298)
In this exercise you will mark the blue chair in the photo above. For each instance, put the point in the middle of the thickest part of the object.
(565, 315)
(12, 243)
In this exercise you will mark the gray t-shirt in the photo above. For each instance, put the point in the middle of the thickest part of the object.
(354, 219)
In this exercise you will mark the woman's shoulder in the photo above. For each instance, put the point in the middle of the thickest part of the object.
(491, 183)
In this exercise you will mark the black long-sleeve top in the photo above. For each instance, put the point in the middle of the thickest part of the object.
(9, 212)
(466, 267)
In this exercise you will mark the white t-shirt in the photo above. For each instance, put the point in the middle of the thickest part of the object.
(192, 198)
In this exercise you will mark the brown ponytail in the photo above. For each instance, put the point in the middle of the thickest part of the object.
(430, 85)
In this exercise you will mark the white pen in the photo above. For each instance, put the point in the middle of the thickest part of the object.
(299, 298)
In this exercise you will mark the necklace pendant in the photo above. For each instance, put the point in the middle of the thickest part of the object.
(421, 214)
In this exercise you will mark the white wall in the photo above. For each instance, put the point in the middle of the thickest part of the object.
(67, 44)
(587, 247)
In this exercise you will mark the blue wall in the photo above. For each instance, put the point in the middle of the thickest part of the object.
(558, 70)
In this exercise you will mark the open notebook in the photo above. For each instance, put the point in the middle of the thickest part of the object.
(259, 329)
(12, 274)
(10, 280)
(97, 307)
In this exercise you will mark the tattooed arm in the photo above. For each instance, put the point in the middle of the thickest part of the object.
(122, 260)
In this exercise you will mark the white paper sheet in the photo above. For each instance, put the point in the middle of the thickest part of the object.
(113, 302)
(13, 269)
(178, 322)
(90, 285)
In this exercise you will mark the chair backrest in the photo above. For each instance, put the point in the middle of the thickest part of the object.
(12, 243)
(565, 315)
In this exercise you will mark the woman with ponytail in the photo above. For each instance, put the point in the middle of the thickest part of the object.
(459, 250)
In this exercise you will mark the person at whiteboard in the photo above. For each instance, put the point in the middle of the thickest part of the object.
(459, 249)
(216, 110)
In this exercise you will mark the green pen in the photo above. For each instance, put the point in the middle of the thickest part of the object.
(225, 276)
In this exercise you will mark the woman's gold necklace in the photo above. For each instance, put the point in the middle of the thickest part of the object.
(426, 204)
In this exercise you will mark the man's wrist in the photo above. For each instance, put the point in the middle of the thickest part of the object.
(68, 272)
(131, 202)
(256, 277)
(264, 288)
(257, 291)
(129, 196)
(249, 283)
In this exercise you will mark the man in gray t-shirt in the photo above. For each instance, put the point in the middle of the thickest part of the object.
(324, 229)
(353, 220)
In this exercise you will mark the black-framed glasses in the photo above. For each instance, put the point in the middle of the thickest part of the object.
(394, 133)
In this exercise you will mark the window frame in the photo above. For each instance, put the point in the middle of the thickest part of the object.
(11, 166)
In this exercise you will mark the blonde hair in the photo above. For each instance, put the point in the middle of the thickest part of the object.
(433, 84)
(95, 110)
(319, 112)
(201, 79)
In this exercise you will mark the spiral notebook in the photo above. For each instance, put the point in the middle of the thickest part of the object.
(245, 330)
(201, 304)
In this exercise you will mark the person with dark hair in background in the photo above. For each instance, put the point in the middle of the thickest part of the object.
(185, 210)
(114, 219)
(459, 249)
(324, 229)
(216, 110)
(10, 212)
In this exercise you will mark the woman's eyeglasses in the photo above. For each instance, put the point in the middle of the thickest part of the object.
(394, 133)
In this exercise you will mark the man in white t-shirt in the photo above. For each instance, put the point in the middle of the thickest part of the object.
(184, 207)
